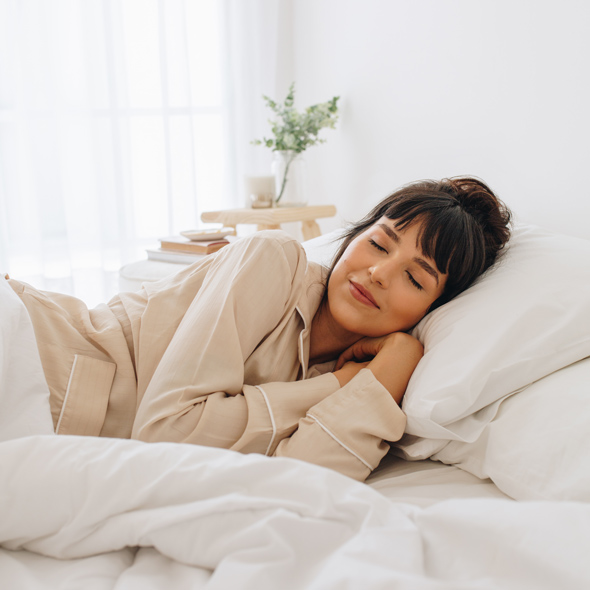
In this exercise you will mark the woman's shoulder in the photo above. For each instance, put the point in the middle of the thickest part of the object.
(272, 237)
(269, 243)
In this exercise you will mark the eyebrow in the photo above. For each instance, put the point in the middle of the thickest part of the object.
(427, 267)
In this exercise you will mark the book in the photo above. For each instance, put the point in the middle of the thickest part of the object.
(180, 244)
(205, 234)
(173, 256)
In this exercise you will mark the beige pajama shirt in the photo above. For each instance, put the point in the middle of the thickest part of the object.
(215, 355)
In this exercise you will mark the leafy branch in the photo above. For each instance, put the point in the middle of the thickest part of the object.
(294, 130)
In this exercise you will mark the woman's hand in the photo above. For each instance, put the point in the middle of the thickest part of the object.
(368, 348)
(348, 371)
(393, 360)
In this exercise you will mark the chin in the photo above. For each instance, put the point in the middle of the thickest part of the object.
(377, 331)
(370, 332)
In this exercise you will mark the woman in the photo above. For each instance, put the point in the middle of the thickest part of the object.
(257, 350)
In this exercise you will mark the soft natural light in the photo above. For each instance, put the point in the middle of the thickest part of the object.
(113, 120)
(148, 161)
(202, 20)
(142, 53)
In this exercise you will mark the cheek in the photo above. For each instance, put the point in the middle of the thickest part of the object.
(341, 270)
(337, 288)
(407, 309)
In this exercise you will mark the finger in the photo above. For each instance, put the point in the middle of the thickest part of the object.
(363, 350)
(346, 356)
(352, 353)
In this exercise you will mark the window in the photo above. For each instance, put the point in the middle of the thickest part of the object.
(114, 132)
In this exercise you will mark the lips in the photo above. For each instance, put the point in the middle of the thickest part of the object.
(361, 294)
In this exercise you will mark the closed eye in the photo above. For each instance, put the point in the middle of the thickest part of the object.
(415, 282)
(376, 245)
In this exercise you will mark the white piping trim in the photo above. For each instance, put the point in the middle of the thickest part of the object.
(63, 406)
(272, 421)
(303, 368)
(340, 442)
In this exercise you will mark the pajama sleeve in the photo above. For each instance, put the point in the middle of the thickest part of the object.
(197, 392)
(348, 430)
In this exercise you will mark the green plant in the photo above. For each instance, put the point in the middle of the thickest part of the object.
(295, 131)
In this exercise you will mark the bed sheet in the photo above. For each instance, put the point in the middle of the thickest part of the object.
(425, 483)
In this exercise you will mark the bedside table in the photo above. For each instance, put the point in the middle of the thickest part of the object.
(133, 275)
(272, 217)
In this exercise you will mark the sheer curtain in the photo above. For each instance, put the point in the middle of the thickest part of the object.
(260, 49)
(117, 126)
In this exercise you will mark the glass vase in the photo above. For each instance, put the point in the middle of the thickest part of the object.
(289, 170)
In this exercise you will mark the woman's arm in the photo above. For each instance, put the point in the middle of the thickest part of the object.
(348, 430)
(196, 393)
(195, 389)
(392, 359)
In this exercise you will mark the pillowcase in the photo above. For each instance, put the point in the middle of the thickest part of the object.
(536, 448)
(526, 317)
(323, 248)
(24, 395)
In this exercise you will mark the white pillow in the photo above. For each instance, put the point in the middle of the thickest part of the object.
(323, 248)
(526, 318)
(24, 395)
(536, 448)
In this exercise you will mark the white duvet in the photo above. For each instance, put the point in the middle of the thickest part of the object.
(113, 514)
(209, 518)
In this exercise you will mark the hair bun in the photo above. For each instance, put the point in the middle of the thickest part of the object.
(479, 201)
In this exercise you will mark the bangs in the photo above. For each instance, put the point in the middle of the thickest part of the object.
(463, 226)
(448, 235)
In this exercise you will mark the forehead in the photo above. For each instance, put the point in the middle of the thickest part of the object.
(413, 231)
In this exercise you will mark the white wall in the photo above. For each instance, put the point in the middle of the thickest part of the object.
(432, 88)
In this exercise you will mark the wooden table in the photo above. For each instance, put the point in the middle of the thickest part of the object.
(272, 217)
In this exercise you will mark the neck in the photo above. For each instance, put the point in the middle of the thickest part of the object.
(327, 339)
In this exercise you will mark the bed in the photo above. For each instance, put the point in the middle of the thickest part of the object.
(488, 488)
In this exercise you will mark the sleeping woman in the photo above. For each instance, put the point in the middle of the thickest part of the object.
(256, 349)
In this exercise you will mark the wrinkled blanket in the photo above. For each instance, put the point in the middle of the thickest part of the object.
(217, 519)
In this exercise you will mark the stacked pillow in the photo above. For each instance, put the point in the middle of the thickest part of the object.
(521, 322)
(536, 447)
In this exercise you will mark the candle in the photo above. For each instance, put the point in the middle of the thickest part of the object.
(260, 191)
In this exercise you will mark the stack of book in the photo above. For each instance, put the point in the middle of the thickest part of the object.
(190, 246)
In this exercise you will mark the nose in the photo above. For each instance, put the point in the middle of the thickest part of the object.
(380, 273)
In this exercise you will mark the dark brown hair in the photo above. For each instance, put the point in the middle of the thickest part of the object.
(464, 226)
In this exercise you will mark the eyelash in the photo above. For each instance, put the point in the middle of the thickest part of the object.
(415, 283)
(374, 243)
(412, 279)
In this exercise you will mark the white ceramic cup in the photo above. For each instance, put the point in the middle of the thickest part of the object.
(260, 191)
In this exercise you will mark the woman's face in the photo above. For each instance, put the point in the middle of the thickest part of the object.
(383, 282)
